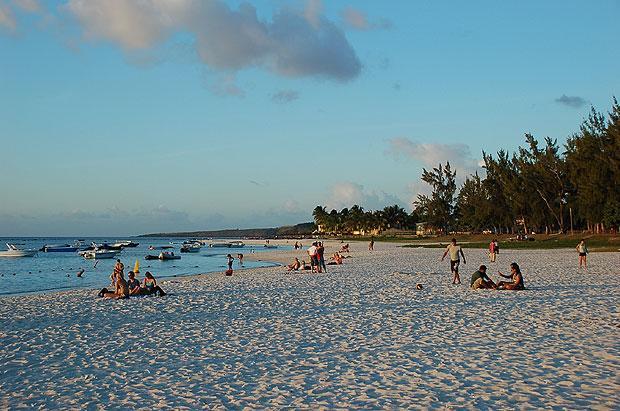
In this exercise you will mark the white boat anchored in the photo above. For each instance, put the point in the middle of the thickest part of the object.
(99, 254)
(13, 251)
(191, 248)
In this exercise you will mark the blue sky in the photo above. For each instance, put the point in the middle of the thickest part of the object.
(120, 117)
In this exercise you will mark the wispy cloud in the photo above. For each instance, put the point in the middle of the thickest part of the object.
(571, 101)
(285, 96)
(357, 19)
(7, 20)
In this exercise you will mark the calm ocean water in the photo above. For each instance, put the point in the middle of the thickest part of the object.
(57, 271)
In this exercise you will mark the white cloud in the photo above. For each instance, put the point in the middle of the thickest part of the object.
(347, 194)
(293, 44)
(431, 154)
(357, 20)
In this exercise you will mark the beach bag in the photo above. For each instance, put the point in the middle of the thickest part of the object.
(228, 272)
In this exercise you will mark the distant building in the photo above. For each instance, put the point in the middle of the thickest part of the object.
(425, 229)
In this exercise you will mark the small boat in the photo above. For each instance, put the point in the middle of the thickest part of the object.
(60, 248)
(190, 248)
(237, 244)
(168, 255)
(125, 243)
(220, 245)
(99, 254)
(270, 246)
(163, 247)
(151, 257)
(13, 251)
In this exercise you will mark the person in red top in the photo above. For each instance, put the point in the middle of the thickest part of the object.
(492, 251)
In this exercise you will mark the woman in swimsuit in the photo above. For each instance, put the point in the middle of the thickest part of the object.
(150, 286)
(515, 276)
(121, 290)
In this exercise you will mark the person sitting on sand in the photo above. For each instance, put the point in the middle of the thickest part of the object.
(295, 266)
(344, 248)
(480, 280)
(305, 266)
(516, 277)
(121, 289)
(336, 259)
(133, 284)
(149, 286)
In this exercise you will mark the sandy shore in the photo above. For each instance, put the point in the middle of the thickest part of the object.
(360, 336)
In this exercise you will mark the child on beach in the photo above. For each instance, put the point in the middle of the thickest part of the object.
(582, 249)
(240, 258)
(454, 251)
(516, 277)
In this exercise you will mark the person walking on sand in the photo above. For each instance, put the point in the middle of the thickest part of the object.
(492, 250)
(371, 244)
(454, 251)
(582, 249)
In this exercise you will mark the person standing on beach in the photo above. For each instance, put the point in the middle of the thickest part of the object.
(320, 251)
(119, 269)
(240, 258)
(454, 251)
(492, 250)
(371, 245)
(582, 249)
(230, 259)
(313, 260)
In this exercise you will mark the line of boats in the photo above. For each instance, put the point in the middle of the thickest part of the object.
(107, 251)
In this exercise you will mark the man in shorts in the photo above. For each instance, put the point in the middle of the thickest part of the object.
(480, 280)
(454, 251)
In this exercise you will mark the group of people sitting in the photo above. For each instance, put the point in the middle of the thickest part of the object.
(317, 260)
(480, 279)
(124, 288)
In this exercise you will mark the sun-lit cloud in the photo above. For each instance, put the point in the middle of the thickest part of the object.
(294, 43)
(345, 194)
(432, 154)
(571, 101)
(357, 19)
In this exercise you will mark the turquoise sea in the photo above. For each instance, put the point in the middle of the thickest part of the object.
(57, 271)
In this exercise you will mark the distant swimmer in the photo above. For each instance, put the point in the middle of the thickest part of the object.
(79, 273)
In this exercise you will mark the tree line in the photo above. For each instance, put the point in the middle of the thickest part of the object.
(542, 187)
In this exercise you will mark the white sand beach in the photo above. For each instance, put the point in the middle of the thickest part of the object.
(359, 336)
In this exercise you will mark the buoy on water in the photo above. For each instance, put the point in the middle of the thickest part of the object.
(136, 267)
